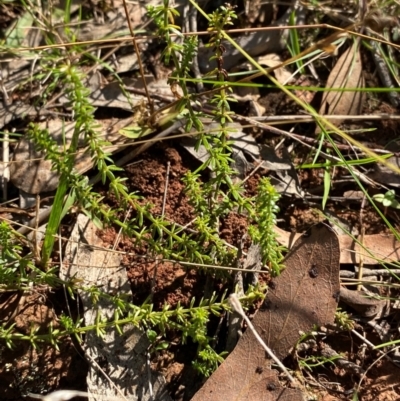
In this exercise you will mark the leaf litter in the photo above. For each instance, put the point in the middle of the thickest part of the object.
(346, 74)
(350, 253)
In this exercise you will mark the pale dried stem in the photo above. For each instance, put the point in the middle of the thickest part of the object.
(238, 308)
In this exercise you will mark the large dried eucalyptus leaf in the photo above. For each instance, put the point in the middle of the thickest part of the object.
(304, 295)
(306, 292)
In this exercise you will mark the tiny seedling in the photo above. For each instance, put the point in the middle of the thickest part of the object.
(388, 199)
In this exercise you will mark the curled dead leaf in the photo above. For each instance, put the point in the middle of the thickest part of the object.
(282, 74)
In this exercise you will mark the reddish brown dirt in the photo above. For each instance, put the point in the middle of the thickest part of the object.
(23, 368)
(380, 382)
(148, 177)
(169, 283)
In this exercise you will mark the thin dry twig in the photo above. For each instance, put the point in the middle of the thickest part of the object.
(5, 178)
(136, 47)
(233, 299)
(295, 118)
(65, 395)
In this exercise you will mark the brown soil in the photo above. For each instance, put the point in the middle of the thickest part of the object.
(25, 369)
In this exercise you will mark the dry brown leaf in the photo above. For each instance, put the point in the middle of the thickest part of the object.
(304, 295)
(347, 73)
(376, 246)
(282, 74)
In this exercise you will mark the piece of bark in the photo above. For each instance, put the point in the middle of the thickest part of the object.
(123, 357)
